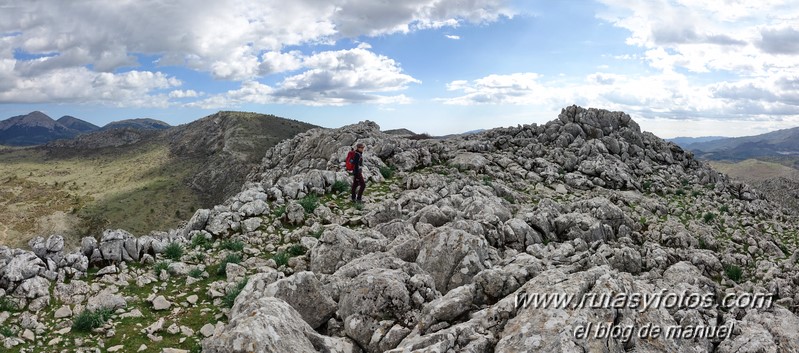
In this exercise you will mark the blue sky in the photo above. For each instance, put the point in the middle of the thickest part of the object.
(679, 67)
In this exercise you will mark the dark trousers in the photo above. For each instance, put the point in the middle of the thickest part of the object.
(358, 185)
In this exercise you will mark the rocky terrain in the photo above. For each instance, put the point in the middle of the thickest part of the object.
(454, 234)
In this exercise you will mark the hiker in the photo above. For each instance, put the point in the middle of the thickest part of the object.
(358, 184)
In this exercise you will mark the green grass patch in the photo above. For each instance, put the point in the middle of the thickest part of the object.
(388, 171)
(196, 272)
(230, 297)
(6, 331)
(340, 187)
(160, 266)
(7, 305)
(296, 250)
(201, 242)
(733, 272)
(279, 212)
(724, 209)
(229, 259)
(709, 217)
(310, 202)
(173, 251)
(89, 320)
(317, 233)
(281, 258)
(232, 245)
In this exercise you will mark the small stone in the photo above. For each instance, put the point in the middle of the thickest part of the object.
(207, 330)
(111, 269)
(54, 341)
(186, 331)
(28, 335)
(192, 299)
(155, 338)
(173, 329)
(64, 330)
(62, 312)
(135, 313)
(174, 350)
(155, 327)
(142, 348)
(116, 348)
(160, 303)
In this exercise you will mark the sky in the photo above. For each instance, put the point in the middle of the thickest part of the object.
(679, 67)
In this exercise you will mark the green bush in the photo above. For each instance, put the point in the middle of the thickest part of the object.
(281, 258)
(230, 259)
(6, 331)
(724, 209)
(310, 202)
(387, 172)
(232, 245)
(230, 297)
(196, 272)
(90, 320)
(680, 192)
(202, 242)
(173, 251)
(340, 186)
(160, 266)
(733, 272)
(279, 211)
(7, 305)
(296, 250)
(709, 217)
(647, 185)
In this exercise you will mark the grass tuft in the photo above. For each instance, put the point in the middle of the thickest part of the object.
(310, 202)
(230, 297)
(281, 258)
(340, 187)
(232, 245)
(230, 259)
(173, 251)
(202, 242)
(196, 272)
(90, 320)
(160, 266)
(733, 272)
(387, 172)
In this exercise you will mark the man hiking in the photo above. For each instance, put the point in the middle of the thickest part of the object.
(358, 184)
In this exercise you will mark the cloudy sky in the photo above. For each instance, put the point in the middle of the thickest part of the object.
(680, 67)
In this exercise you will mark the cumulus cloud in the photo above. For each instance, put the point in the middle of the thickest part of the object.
(234, 40)
(708, 35)
(453, 37)
(129, 89)
(329, 78)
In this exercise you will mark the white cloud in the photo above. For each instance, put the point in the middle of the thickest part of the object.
(453, 37)
(329, 78)
(184, 94)
(710, 35)
(80, 85)
(236, 40)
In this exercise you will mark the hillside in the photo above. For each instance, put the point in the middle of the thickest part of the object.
(33, 129)
(454, 238)
(777, 182)
(781, 144)
(140, 124)
(136, 179)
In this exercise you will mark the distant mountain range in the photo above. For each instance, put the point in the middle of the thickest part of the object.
(686, 142)
(779, 144)
(36, 128)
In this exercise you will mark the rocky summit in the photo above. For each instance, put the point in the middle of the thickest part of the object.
(584, 234)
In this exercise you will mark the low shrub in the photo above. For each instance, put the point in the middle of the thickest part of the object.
(89, 320)
(173, 251)
(310, 202)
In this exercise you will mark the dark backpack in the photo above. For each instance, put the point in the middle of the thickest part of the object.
(350, 161)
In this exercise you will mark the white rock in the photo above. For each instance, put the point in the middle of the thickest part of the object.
(62, 312)
(160, 303)
(207, 330)
(28, 335)
(192, 299)
(173, 329)
(116, 348)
